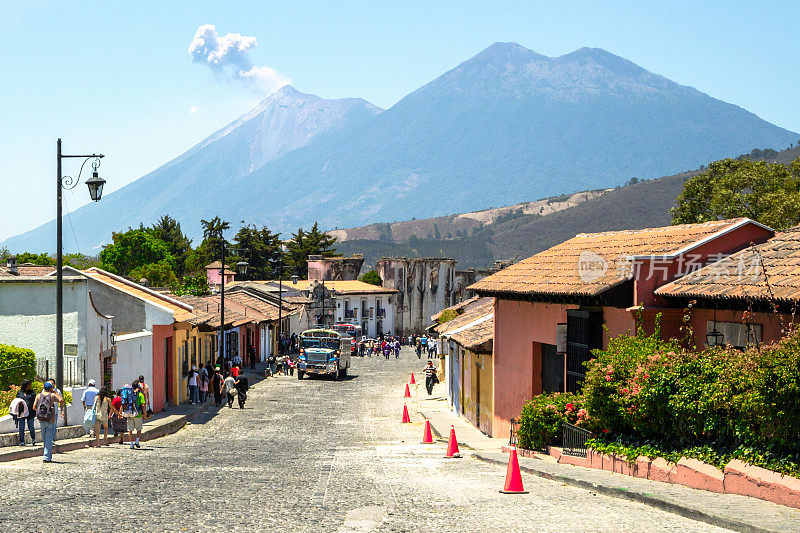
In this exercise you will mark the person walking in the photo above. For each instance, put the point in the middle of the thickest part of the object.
(118, 422)
(241, 390)
(87, 399)
(203, 384)
(271, 364)
(26, 418)
(137, 415)
(46, 408)
(62, 406)
(217, 386)
(194, 391)
(230, 389)
(102, 411)
(146, 390)
(430, 377)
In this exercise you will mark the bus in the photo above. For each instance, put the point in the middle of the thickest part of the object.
(323, 351)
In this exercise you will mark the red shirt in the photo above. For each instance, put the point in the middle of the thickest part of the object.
(117, 402)
(235, 371)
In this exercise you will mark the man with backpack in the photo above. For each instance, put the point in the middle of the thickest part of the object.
(135, 410)
(46, 406)
(241, 390)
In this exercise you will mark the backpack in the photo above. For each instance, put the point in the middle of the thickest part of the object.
(46, 409)
(129, 407)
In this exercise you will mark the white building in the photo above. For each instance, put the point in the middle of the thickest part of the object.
(28, 320)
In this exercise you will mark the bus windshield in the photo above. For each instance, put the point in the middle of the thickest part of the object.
(330, 344)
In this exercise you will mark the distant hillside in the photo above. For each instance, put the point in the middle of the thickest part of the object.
(519, 234)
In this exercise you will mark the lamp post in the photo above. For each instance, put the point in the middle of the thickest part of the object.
(241, 268)
(95, 184)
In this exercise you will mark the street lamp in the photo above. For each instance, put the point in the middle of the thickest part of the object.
(95, 184)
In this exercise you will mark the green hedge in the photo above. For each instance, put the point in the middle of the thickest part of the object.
(10, 357)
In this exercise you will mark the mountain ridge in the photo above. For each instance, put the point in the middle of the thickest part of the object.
(506, 124)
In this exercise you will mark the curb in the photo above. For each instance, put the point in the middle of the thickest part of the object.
(161, 430)
(652, 501)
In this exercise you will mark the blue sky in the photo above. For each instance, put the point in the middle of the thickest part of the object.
(117, 79)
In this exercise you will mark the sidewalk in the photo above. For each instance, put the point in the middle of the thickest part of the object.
(731, 511)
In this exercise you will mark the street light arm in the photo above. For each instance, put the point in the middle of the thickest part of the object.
(68, 182)
(97, 156)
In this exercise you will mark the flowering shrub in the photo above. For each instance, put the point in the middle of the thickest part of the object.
(541, 418)
(715, 405)
(16, 364)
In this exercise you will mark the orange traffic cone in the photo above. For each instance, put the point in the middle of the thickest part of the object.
(513, 477)
(427, 436)
(406, 418)
(408, 392)
(412, 380)
(452, 445)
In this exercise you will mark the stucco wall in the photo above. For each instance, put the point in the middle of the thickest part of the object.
(134, 357)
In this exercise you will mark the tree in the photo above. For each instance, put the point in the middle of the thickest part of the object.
(210, 249)
(305, 243)
(260, 248)
(765, 192)
(372, 277)
(168, 230)
(133, 249)
(159, 274)
(194, 284)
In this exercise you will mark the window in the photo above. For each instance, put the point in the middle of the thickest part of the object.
(737, 334)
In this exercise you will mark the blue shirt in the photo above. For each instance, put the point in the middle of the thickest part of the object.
(89, 395)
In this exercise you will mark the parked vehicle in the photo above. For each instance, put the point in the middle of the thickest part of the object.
(323, 351)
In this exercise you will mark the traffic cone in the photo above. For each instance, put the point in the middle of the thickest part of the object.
(513, 477)
(427, 436)
(412, 380)
(406, 418)
(452, 445)
(408, 392)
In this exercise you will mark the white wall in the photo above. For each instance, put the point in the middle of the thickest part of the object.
(387, 303)
(134, 357)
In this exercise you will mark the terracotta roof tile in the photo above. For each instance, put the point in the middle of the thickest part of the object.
(741, 275)
(27, 269)
(561, 270)
(473, 328)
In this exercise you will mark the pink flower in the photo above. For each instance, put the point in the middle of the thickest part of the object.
(570, 407)
(551, 407)
(647, 376)
(606, 431)
(608, 377)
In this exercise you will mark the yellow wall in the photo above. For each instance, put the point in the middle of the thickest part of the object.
(476, 389)
(197, 346)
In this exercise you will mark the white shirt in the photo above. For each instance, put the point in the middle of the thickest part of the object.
(193, 379)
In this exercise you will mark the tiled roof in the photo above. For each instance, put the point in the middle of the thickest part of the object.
(266, 310)
(458, 308)
(342, 287)
(474, 326)
(216, 265)
(741, 275)
(591, 263)
(180, 313)
(28, 269)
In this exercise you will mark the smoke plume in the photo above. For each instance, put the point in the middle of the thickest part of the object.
(227, 55)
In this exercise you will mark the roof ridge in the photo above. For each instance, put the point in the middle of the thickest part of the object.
(724, 222)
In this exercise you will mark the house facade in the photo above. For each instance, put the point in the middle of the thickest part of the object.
(551, 310)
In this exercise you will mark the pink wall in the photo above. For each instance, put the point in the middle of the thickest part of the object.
(214, 278)
(159, 385)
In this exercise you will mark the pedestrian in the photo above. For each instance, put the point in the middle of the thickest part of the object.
(194, 391)
(419, 350)
(62, 407)
(230, 389)
(241, 390)
(135, 410)
(291, 366)
(235, 370)
(203, 384)
(217, 386)
(87, 399)
(397, 349)
(118, 422)
(251, 354)
(271, 364)
(46, 408)
(287, 360)
(146, 390)
(430, 377)
(25, 417)
(102, 411)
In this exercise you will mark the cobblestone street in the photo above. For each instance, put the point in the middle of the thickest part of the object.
(312, 455)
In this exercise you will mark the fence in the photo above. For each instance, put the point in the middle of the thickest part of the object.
(575, 439)
(74, 369)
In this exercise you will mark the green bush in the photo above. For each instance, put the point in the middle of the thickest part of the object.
(12, 357)
(541, 418)
(9, 394)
